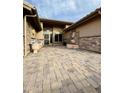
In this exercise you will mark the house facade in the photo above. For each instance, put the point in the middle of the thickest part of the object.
(86, 32)
(39, 32)
(53, 31)
(32, 29)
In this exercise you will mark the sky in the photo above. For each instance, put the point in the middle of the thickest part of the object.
(66, 10)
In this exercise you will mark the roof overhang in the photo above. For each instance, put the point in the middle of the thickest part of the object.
(51, 22)
(27, 6)
(90, 16)
(28, 9)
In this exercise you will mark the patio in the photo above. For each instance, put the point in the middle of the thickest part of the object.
(62, 70)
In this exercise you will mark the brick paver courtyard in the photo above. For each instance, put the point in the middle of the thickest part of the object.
(62, 70)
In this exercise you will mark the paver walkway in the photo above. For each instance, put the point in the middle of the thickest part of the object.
(62, 70)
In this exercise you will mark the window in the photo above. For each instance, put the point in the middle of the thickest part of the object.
(58, 37)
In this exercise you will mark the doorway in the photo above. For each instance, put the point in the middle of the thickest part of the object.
(58, 38)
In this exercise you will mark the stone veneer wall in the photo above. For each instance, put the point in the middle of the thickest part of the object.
(28, 37)
(67, 37)
(92, 43)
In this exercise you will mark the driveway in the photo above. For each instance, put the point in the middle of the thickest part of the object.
(62, 70)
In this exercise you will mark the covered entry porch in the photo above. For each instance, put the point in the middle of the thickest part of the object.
(53, 36)
(53, 31)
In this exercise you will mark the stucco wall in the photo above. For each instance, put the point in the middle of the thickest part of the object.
(57, 30)
(90, 35)
(91, 28)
